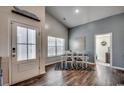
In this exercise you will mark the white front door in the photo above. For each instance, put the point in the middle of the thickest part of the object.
(25, 52)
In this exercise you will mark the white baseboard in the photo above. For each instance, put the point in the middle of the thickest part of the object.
(43, 72)
(7, 84)
(114, 67)
(90, 63)
(51, 63)
(119, 68)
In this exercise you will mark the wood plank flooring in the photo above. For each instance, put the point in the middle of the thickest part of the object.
(102, 76)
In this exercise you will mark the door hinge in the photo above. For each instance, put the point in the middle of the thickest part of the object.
(39, 33)
(39, 67)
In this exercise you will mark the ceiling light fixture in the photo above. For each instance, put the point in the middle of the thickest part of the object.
(77, 11)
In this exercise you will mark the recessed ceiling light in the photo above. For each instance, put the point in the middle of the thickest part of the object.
(76, 11)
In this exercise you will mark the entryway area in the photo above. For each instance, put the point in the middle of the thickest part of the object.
(25, 52)
(103, 49)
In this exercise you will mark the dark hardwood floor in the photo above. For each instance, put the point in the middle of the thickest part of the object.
(101, 76)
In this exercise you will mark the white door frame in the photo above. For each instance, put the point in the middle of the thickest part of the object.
(95, 47)
(10, 46)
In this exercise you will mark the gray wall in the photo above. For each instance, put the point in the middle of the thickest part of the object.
(55, 28)
(114, 24)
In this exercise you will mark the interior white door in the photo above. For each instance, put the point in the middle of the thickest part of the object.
(25, 52)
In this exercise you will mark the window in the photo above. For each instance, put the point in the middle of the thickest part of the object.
(26, 43)
(60, 46)
(31, 44)
(51, 46)
(21, 43)
(56, 46)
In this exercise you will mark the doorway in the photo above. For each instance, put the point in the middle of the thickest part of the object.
(103, 49)
(24, 52)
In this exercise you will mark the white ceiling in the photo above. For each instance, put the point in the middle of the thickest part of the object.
(86, 13)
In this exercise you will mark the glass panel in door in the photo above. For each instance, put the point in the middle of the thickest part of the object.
(31, 51)
(21, 34)
(26, 43)
(21, 52)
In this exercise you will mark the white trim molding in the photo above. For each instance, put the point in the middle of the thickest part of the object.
(52, 63)
(7, 84)
(111, 56)
(119, 68)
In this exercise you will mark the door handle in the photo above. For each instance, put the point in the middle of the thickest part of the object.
(13, 52)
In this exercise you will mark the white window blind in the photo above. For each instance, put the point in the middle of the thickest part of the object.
(56, 46)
